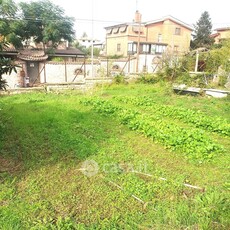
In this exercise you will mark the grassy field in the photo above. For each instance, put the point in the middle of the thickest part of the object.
(116, 157)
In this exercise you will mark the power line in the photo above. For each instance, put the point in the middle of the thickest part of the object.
(40, 19)
(84, 20)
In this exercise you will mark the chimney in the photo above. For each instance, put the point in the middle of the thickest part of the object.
(137, 18)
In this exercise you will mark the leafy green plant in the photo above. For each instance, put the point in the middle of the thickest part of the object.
(200, 120)
(119, 79)
(58, 59)
(148, 79)
(211, 207)
(194, 143)
(3, 84)
(6, 66)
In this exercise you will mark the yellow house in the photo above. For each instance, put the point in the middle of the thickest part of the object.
(221, 34)
(152, 37)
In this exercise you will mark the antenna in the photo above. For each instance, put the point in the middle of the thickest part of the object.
(136, 5)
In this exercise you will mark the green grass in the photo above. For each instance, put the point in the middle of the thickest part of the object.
(46, 139)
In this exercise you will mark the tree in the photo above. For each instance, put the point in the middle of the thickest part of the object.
(82, 48)
(7, 8)
(203, 30)
(87, 51)
(41, 20)
(9, 26)
(219, 57)
(96, 51)
(45, 23)
(7, 34)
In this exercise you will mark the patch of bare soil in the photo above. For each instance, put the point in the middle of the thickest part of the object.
(9, 165)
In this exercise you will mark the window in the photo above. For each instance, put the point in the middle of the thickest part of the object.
(116, 30)
(175, 48)
(177, 31)
(160, 49)
(145, 48)
(109, 31)
(132, 48)
(157, 49)
(159, 39)
(123, 29)
(118, 47)
(153, 49)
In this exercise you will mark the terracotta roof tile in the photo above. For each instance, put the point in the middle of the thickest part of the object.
(69, 51)
(40, 55)
(32, 55)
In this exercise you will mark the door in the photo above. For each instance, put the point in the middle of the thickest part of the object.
(33, 72)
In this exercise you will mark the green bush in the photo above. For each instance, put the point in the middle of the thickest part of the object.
(223, 80)
(115, 56)
(58, 59)
(119, 79)
(148, 79)
(196, 80)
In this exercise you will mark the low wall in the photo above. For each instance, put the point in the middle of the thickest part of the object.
(61, 72)
(13, 80)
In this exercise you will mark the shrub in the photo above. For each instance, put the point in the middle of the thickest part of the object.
(119, 79)
(58, 59)
(148, 79)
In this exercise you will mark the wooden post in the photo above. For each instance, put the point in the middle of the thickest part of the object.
(197, 60)
(129, 65)
(77, 72)
(44, 72)
(65, 71)
(107, 71)
(84, 69)
(125, 65)
(146, 61)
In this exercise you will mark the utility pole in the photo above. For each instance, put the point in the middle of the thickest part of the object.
(138, 46)
(136, 4)
(138, 20)
(92, 56)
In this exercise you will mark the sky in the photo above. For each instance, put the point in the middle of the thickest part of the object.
(91, 16)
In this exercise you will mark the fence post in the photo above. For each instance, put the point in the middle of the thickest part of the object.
(65, 71)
